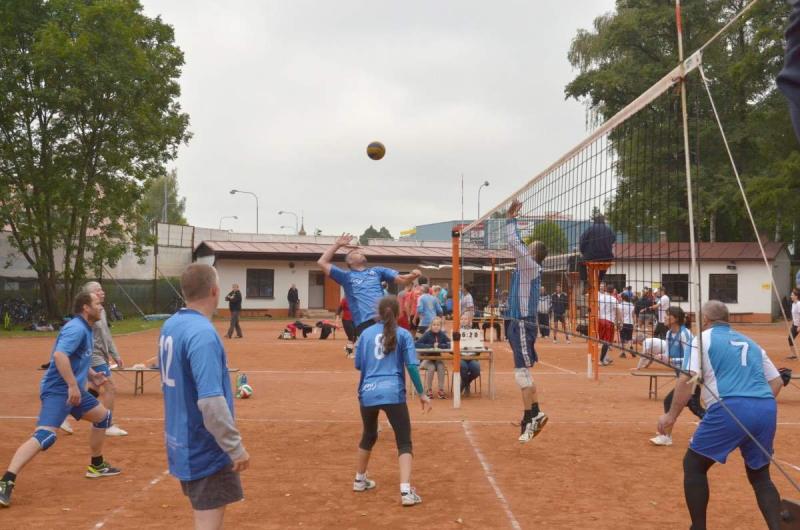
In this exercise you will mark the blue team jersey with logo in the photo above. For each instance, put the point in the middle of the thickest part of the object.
(383, 378)
(193, 366)
(732, 365)
(75, 340)
(679, 344)
(428, 308)
(363, 289)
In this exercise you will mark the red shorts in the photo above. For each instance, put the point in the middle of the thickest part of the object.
(403, 321)
(605, 330)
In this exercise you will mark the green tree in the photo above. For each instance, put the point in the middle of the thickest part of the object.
(552, 235)
(372, 233)
(154, 200)
(626, 51)
(89, 114)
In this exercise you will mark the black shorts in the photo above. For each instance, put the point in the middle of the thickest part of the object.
(626, 333)
(398, 419)
(560, 318)
(793, 335)
(364, 325)
(349, 329)
(214, 491)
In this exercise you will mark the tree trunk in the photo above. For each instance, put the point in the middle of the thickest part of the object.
(712, 228)
(47, 291)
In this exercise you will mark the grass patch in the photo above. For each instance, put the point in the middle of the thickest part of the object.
(129, 325)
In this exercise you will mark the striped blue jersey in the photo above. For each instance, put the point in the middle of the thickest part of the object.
(679, 343)
(733, 365)
(523, 298)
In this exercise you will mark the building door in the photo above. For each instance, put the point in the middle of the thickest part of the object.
(316, 289)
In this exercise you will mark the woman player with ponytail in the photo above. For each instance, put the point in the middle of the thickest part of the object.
(383, 353)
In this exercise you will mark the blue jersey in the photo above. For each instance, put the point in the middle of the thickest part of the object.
(76, 341)
(732, 365)
(193, 366)
(383, 378)
(526, 282)
(428, 308)
(363, 290)
(679, 344)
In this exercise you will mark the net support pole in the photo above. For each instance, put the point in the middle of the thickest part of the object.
(594, 268)
(456, 235)
(694, 295)
(491, 307)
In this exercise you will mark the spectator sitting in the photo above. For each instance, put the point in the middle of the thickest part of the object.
(652, 349)
(435, 337)
(597, 244)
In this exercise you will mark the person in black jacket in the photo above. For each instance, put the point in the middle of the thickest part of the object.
(234, 300)
(789, 78)
(597, 244)
(294, 301)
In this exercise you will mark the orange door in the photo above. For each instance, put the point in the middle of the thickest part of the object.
(332, 294)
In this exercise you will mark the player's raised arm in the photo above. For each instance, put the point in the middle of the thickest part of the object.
(403, 279)
(325, 261)
(515, 243)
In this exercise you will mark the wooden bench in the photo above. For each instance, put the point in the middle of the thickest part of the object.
(138, 376)
(652, 393)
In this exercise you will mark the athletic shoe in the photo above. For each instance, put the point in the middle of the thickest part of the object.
(606, 362)
(410, 498)
(363, 485)
(6, 487)
(555, 341)
(66, 427)
(103, 470)
(442, 394)
(661, 439)
(429, 393)
(569, 341)
(527, 433)
(623, 356)
(115, 431)
(532, 429)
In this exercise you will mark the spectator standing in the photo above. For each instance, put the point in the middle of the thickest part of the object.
(543, 311)
(294, 301)
(560, 304)
(608, 314)
(428, 308)
(234, 300)
(661, 305)
(795, 323)
(467, 305)
(627, 317)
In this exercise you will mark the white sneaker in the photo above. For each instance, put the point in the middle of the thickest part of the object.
(363, 485)
(115, 431)
(661, 439)
(533, 429)
(555, 341)
(66, 427)
(411, 498)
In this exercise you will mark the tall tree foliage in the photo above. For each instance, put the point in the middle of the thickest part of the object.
(372, 233)
(631, 48)
(89, 114)
(551, 234)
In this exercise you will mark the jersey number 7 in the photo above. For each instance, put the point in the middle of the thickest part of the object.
(744, 346)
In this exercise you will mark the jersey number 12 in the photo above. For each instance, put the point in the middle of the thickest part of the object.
(165, 356)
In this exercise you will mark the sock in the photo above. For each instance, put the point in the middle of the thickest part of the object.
(360, 476)
(535, 410)
(405, 487)
(97, 460)
(527, 417)
(9, 477)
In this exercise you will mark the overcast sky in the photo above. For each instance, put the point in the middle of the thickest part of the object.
(284, 97)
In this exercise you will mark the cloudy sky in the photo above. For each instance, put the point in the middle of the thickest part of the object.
(284, 97)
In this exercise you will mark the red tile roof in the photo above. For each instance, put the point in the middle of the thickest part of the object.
(707, 251)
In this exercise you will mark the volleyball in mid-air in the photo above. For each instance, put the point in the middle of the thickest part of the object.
(376, 150)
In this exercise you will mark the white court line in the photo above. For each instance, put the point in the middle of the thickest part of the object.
(557, 368)
(490, 477)
(102, 522)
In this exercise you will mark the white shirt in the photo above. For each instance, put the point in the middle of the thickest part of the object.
(608, 307)
(663, 305)
(655, 348)
(796, 313)
(628, 312)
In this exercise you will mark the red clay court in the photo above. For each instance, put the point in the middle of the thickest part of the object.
(593, 466)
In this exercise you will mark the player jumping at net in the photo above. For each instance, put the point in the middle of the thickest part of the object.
(740, 385)
(204, 447)
(523, 302)
(63, 391)
(383, 354)
(361, 284)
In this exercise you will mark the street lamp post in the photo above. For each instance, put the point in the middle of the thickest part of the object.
(226, 217)
(233, 192)
(284, 212)
(484, 185)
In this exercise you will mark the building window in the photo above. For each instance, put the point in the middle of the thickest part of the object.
(676, 286)
(724, 287)
(615, 281)
(260, 283)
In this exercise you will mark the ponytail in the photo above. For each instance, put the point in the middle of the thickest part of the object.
(388, 309)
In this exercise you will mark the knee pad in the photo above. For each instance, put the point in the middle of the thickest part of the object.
(45, 438)
(523, 377)
(105, 423)
(368, 441)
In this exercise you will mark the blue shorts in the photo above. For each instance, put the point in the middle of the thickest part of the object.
(719, 434)
(102, 369)
(522, 336)
(55, 408)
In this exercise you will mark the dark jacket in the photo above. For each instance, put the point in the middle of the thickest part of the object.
(597, 242)
(293, 297)
(234, 299)
(429, 338)
(789, 78)
(559, 302)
